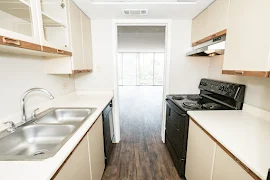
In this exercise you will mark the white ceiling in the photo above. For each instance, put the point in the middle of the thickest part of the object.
(158, 9)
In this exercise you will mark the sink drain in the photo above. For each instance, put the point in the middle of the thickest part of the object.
(40, 152)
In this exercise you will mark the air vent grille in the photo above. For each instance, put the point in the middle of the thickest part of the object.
(135, 12)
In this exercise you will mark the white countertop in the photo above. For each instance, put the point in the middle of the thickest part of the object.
(44, 170)
(246, 136)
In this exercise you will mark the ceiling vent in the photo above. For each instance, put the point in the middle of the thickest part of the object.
(135, 12)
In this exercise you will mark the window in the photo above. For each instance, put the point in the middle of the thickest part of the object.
(140, 69)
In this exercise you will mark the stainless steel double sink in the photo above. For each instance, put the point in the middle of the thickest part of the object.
(43, 137)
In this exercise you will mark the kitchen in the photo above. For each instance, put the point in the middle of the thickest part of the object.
(68, 48)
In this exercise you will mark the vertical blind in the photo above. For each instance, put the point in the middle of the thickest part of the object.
(140, 69)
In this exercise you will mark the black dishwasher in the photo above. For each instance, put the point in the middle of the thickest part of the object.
(108, 131)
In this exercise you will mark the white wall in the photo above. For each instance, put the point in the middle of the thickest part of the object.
(102, 76)
(19, 73)
(257, 89)
(141, 42)
(185, 72)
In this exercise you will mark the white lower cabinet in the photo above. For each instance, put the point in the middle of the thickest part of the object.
(87, 161)
(225, 168)
(200, 154)
(77, 165)
(206, 160)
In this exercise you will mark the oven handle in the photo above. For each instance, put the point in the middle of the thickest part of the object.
(181, 114)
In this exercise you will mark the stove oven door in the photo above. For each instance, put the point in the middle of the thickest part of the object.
(176, 135)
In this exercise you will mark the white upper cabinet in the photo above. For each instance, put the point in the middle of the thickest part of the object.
(211, 21)
(198, 27)
(87, 42)
(34, 27)
(79, 26)
(54, 24)
(76, 36)
(18, 21)
(248, 38)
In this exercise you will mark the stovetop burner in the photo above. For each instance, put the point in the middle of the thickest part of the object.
(194, 97)
(191, 105)
(211, 106)
(178, 97)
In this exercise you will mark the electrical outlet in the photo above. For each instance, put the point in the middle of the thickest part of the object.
(65, 86)
(99, 68)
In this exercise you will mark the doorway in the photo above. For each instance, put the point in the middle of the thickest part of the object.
(134, 77)
(140, 66)
(140, 63)
(142, 82)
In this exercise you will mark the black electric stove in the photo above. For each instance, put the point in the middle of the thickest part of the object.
(214, 95)
(191, 102)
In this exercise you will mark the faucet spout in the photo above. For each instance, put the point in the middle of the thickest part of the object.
(25, 94)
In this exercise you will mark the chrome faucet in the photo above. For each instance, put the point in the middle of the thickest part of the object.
(12, 127)
(24, 118)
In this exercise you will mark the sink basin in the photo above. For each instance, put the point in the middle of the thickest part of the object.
(60, 116)
(34, 140)
(43, 137)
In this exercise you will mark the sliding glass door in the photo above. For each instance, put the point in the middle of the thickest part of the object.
(140, 69)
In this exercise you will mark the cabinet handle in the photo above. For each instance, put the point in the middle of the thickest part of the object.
(10, 41)
(60, 51)
(238, 72)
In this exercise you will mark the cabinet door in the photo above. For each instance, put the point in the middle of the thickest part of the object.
(217, 17)
(211, 20)
(96, 149)
(77, 165)
(226, 168)
(76, 36)
(53, 21)
(19, 20)
(200, 154)
(248, 37)
(87, 42)
(199, 30)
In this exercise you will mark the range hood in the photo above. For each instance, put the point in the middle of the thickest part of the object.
(212, 47)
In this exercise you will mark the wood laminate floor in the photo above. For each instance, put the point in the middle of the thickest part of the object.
(140, 155)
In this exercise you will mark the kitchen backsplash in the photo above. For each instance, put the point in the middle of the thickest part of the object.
(257, 90)
(19, 73)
